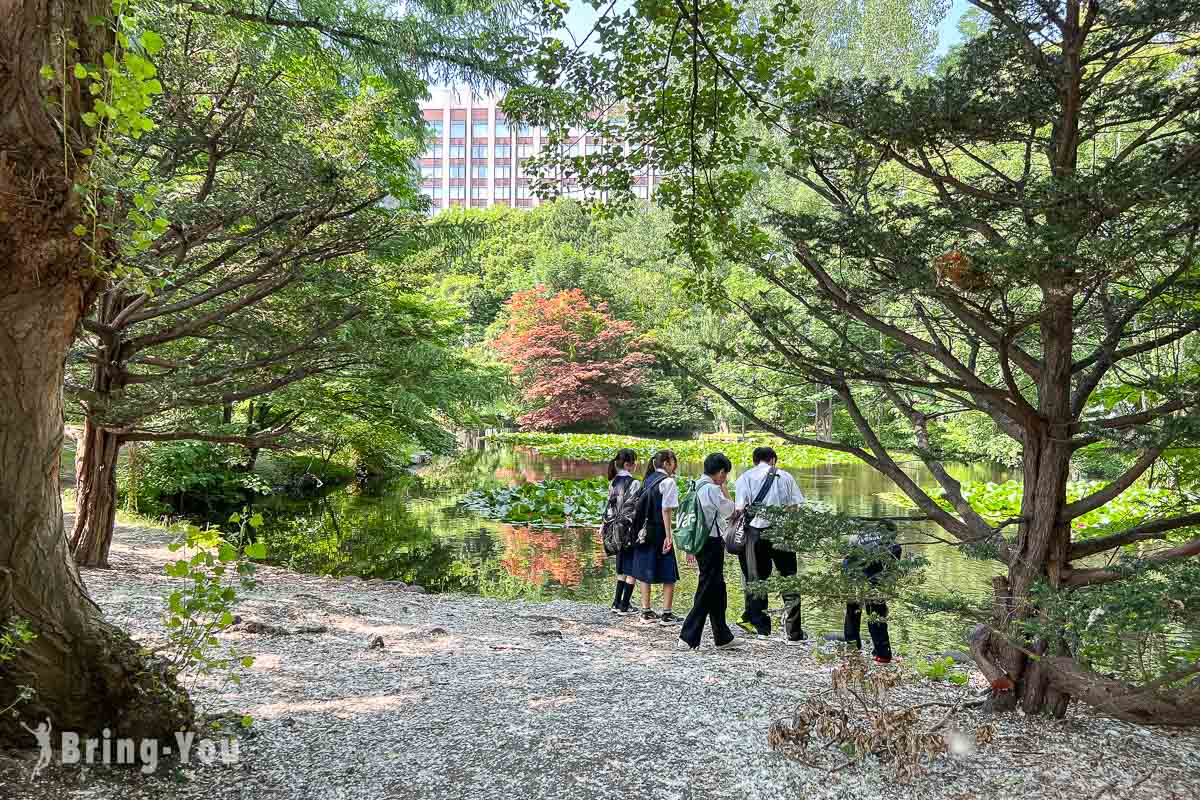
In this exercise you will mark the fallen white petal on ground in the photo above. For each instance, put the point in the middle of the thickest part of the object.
(516, 699)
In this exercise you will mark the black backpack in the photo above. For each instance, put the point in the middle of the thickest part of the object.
(644, 501)
(617, 528)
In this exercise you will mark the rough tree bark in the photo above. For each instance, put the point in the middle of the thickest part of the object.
(96, 494)
(1043, 537)
(823, 420)
(88, 675)
(98, 447)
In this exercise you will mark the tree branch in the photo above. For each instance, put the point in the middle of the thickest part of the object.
(1094, 577)
(1156, 529)
(1113, 490)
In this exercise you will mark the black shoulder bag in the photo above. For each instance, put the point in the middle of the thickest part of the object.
(736, 537)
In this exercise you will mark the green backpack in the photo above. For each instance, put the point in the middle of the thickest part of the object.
(692, 532)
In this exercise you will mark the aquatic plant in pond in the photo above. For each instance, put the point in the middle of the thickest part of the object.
(549, 503)
(602, 447)
(997, 502)
(553, 503)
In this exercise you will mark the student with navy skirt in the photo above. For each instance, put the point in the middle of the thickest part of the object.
(654, 556)
(621, 482)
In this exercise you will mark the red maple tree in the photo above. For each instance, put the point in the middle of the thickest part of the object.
(573, 359)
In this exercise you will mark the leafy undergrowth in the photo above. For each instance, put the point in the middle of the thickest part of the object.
(942, 669)
(598, 447)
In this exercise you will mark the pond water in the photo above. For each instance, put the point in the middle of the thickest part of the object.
(412, 530)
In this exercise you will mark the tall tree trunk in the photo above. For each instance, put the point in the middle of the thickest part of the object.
(257, 416)
(96, 493)
(87, 674)
(1043, 538)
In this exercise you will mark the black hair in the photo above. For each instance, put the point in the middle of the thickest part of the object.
(762, 454)
(715, 462)
(660, 458)
(624, 456)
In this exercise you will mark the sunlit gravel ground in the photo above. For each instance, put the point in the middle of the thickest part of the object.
(477, 698)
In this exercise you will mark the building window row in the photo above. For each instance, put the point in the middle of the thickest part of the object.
(480, 129)
(501, 152)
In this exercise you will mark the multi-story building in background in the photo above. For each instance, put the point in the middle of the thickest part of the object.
(475, 158)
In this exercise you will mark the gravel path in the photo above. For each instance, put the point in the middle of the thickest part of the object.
(474, 698)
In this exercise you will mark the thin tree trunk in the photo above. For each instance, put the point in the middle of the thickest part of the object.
(823, 420)
(98, 448)
(96, 492)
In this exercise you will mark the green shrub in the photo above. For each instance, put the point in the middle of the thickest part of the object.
(15, 635)
(203, 607)
(195, 478)
(942, 669)
(286, 469)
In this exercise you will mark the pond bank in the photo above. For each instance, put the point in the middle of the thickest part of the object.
(415, 530)
(470, 697)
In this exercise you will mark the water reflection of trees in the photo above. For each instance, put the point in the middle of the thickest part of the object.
(543, 557)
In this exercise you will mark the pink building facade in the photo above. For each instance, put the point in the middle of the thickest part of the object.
(475, 158)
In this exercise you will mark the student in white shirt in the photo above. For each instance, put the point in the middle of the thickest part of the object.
(654, 559)
(760, 556)
(711, 594)
(621, 481)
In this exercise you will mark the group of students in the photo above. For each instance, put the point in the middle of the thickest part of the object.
(652, 561)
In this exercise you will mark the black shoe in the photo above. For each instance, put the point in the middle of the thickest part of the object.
(649, 617)
(669, 619)
(614, 608)
(625, 611)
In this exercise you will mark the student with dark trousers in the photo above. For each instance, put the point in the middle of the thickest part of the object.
(876, 548)
(760, 557)
(711, 598)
